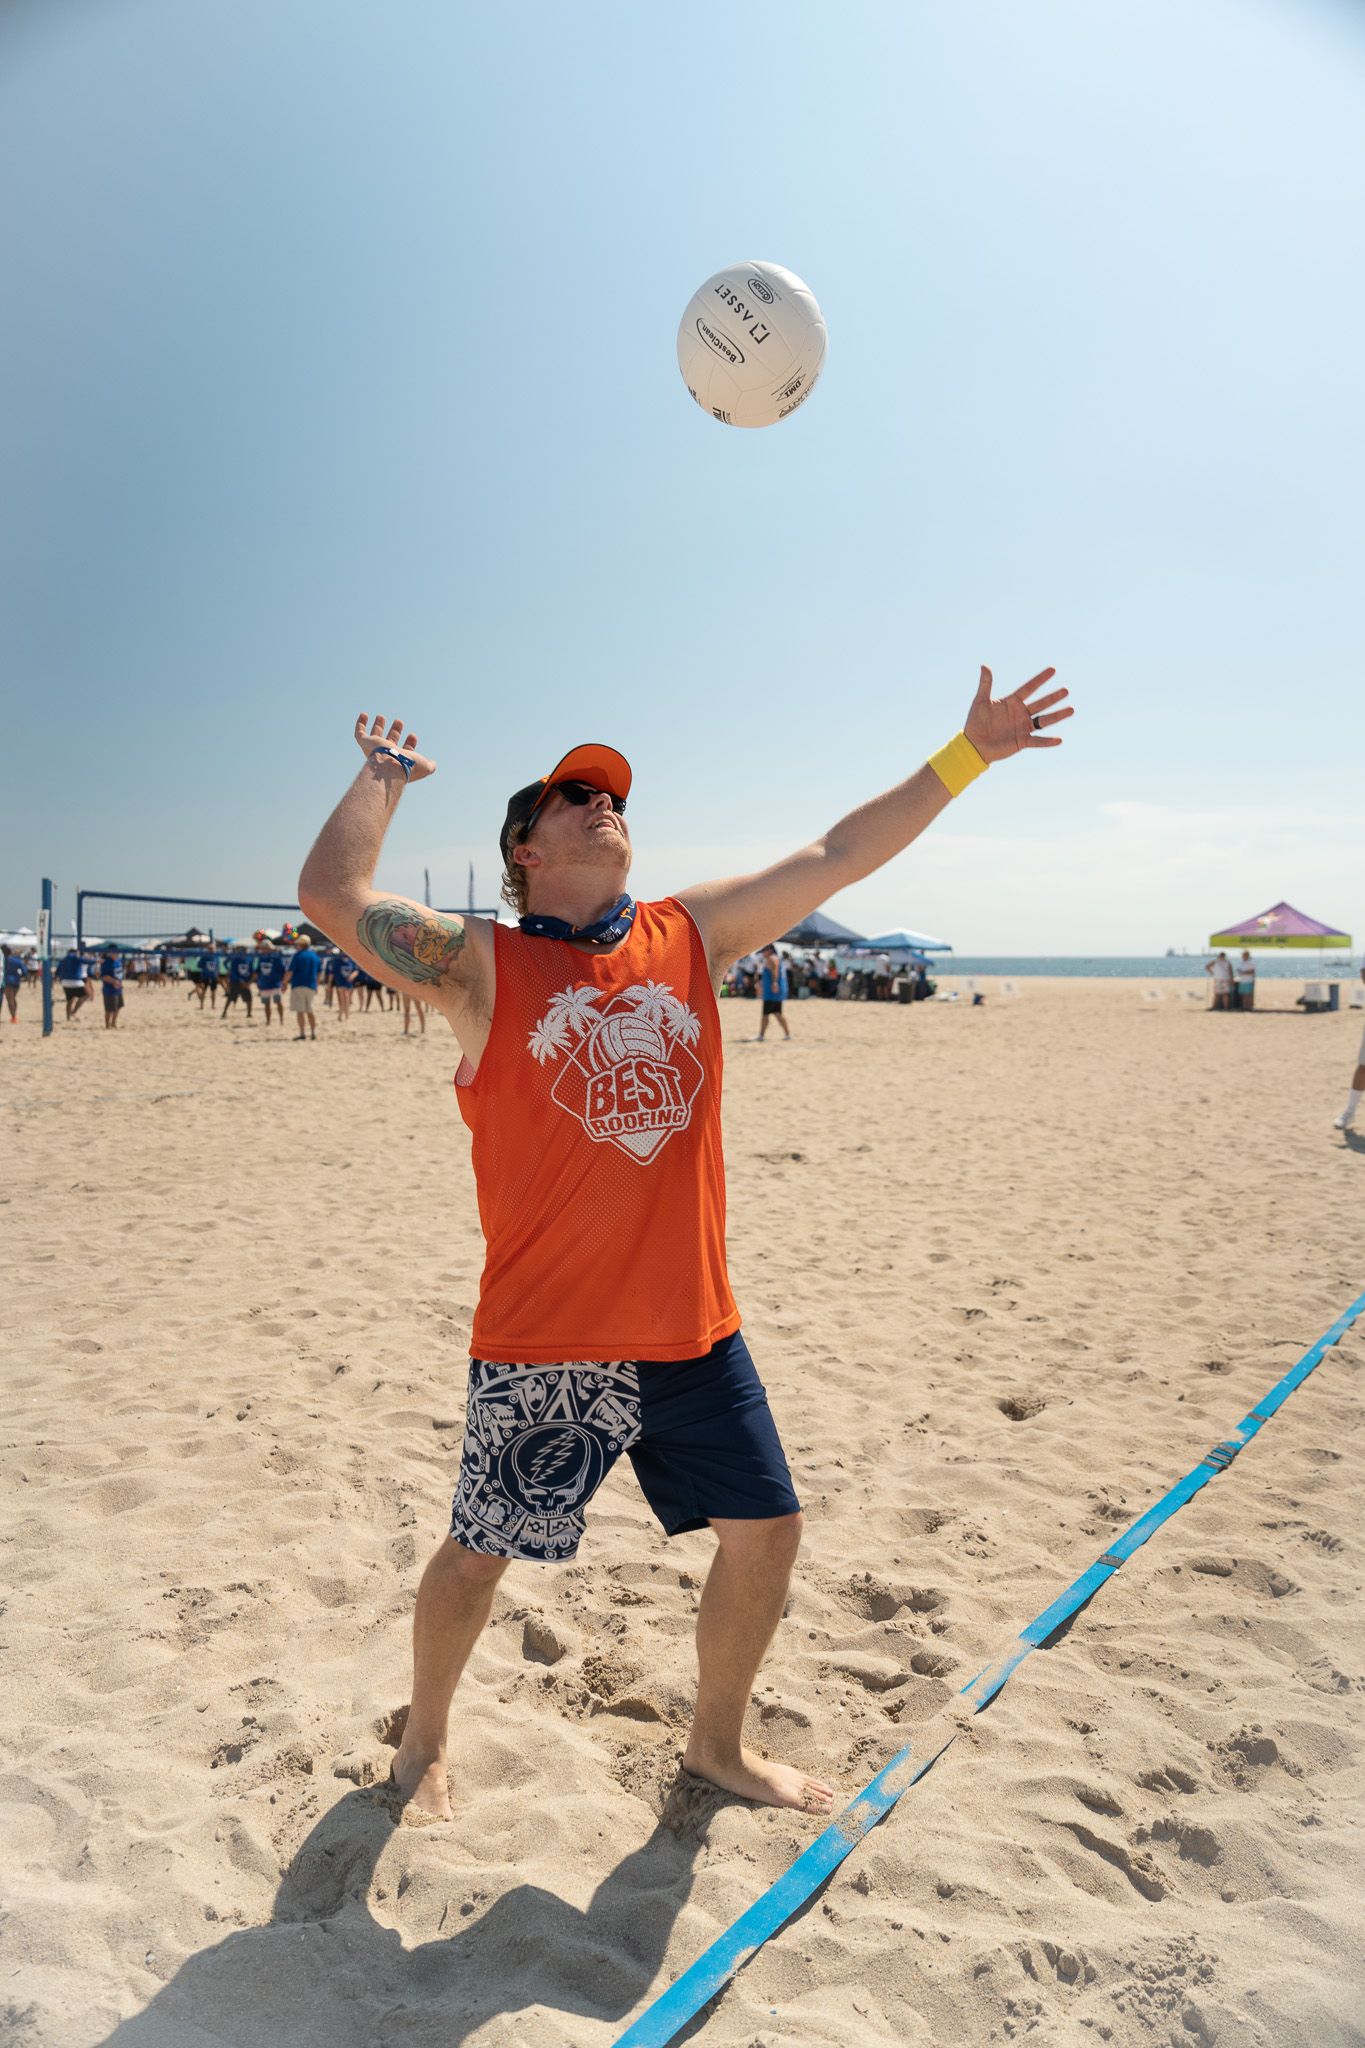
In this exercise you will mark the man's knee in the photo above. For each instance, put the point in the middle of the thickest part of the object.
(471, 1567)
(774, 1539)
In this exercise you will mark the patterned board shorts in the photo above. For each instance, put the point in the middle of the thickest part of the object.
(540, 1439)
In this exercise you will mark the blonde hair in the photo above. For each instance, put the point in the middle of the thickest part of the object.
(516, 882)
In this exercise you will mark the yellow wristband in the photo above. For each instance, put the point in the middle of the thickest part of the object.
(957, 764)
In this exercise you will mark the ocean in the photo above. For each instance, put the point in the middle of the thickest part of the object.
(1136, 967)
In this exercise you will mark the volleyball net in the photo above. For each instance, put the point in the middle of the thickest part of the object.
(110, 917)
(114, 917)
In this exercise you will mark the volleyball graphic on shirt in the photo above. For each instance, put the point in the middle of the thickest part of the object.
(629, 1074)
(621, 1036)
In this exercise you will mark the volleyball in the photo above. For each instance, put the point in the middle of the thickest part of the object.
(751, 345)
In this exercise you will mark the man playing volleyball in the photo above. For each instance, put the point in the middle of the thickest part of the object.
(591, 1083)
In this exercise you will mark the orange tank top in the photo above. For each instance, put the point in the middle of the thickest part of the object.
(595, 1116)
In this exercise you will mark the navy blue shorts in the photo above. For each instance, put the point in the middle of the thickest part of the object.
(540, 1439)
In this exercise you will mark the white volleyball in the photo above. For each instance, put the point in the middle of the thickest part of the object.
(751, 344)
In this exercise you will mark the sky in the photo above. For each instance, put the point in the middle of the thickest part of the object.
(338, 348)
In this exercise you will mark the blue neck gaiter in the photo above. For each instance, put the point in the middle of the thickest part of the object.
(605, 932)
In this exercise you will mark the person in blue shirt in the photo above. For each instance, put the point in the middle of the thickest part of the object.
(111, 981)
(270, 971)
(71, 974)
(15, 971)
(210, 966)
(303, 984)
(241, 968)
(773, 987)
(346, 974)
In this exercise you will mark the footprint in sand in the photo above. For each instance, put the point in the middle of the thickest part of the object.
(876, 1601)
(929, 1664)
(330, 1591)
(1065, 1964)
(1240, 1758)
(922, 1521)
(1324, 1677)
(1196, 1844)
(358, 1766)
(1139, 1869)
(1095, 1800)
(1020, 1407)
(874, 1674)
(1252, 1746)
(234, 1747)
(541, 1643)
(119, 1496)
(781, 1718)
(1247, 1574)
(1171, 1779)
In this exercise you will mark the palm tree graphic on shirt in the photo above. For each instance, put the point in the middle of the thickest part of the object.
(570, 1017)
(630, 1076)
(657, 1004)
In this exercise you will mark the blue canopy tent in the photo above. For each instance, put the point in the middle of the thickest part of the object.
(819, 930)
(899, 942)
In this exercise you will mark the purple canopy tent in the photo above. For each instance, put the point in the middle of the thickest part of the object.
(1280, 926)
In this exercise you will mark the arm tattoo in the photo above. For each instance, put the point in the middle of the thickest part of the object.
(420, 946)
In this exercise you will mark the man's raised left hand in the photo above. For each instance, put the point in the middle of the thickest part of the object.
(999, 727)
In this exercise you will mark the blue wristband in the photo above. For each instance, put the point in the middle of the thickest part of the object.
(404, 761)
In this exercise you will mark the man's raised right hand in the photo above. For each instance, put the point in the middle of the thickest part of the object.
(371, 733)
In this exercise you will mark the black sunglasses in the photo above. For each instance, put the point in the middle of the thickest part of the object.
(583, 793)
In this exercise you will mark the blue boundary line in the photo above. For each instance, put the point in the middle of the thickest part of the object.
(713, 1969)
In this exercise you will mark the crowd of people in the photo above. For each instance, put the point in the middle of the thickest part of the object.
(305, 971)
(292, 974)
(875, 978)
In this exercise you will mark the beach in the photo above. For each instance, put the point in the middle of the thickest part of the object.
(1007, 1272)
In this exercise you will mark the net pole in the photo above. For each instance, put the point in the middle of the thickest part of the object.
(45, 949)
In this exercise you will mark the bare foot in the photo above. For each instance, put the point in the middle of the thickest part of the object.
(423, 1788)
(753, 1777)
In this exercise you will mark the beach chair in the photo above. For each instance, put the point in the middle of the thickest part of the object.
(1356, 999)
(1314, 995)
(1011, 988)
(970, 985)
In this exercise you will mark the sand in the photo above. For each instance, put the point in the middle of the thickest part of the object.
(1007, 1272)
